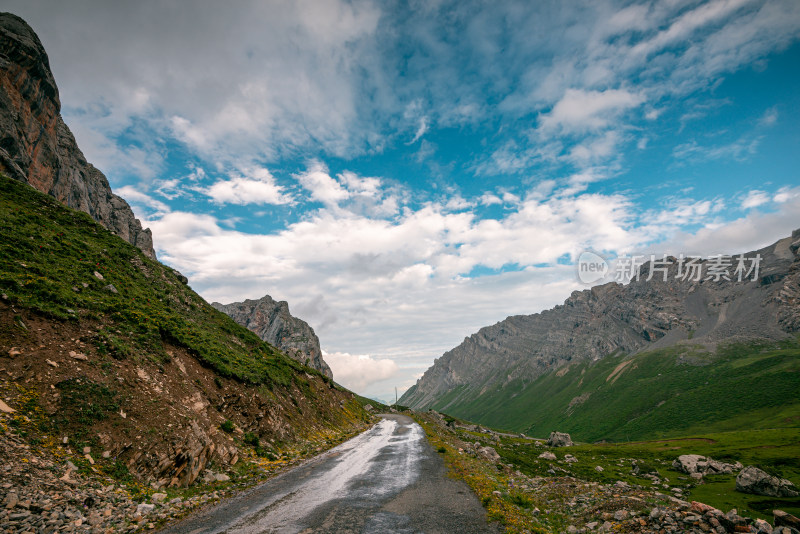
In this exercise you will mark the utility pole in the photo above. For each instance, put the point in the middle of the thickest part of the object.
(395, 395)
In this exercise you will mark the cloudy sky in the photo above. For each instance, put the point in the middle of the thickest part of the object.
(403, 173)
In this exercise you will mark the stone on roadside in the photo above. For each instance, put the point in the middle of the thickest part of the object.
(144, 508)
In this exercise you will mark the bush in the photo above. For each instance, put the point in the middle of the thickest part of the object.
(251, 439)
(227, 426)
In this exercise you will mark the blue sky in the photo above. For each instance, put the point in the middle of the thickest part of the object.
(403, 173)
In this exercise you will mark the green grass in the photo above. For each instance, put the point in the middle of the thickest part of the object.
(777, 451)
(48, 257)
(661, 393)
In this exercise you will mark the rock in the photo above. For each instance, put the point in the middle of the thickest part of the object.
(144, 508)
(220, 477)
(692, 464)
(599, 469)
(87, 450)
(11, 500)
(762, 527)
(38, 147)
(368, 407)
(51, 363)
(158, 498)
(547, 455)
(702, 508)
(272, 322)
(14, 351)
(489, 453)
(559, 439)
(570, 459)
(70, 466)
(111, 289)
(620, 515)
(785, 519)
(78, 356)
(5, 408)
(98, 276)
(753, 480)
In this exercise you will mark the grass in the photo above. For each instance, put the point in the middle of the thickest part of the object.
(777, 451)
(49, 255)
(668, 392)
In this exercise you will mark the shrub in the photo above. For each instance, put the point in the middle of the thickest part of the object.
(227, 426)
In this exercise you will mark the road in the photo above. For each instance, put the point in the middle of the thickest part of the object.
(386, 480)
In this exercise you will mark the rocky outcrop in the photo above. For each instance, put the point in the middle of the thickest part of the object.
(754, 480)
(559, 439)
(615, 318)
(37, 147)
(272, 322)
(695, 464)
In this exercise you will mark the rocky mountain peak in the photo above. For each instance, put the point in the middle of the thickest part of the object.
(271, 321)
(37, 147)
(650, 312)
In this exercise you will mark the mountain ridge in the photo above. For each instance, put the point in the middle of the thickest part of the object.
(613, 318)
(38, 148)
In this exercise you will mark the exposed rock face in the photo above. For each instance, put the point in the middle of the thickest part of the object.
(272, 322)
(754, 480)
(37, 148)
(612, 318)
(559, 439)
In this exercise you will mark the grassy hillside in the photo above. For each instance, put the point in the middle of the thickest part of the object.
(661, 393)
(110, 350)
(48, 259)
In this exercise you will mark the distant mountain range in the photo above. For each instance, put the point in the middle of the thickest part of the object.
(504, 374)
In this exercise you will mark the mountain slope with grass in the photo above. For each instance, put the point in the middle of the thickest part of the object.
(103, 347)
(614, 361)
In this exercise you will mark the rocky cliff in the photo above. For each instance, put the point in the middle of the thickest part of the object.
(272, 322)
(613, 319)
(37, 147)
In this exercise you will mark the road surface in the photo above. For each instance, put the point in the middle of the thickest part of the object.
(386, 480)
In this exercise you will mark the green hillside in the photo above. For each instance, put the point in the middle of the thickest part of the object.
(668, 392)
(48, 259)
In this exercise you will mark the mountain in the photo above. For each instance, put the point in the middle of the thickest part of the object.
(272, 322)
(107, 358)
(103, 347)
(37, 147)
(513, 373)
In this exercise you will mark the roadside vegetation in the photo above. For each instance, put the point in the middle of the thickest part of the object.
(523, 491)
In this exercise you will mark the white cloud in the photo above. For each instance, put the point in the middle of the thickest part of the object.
(255, 185)
(581, 110)
(358, 372)
(322, 187)
(134, 196)
(754, 199)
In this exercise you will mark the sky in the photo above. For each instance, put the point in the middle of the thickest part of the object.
(404, 173)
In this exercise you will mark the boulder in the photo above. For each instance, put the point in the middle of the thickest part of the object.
(693, 464)
(559, 439)
(754, 480)
(489, 453)
(547, 455)
(785, 519)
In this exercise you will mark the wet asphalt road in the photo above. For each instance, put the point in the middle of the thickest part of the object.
(386, 480)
